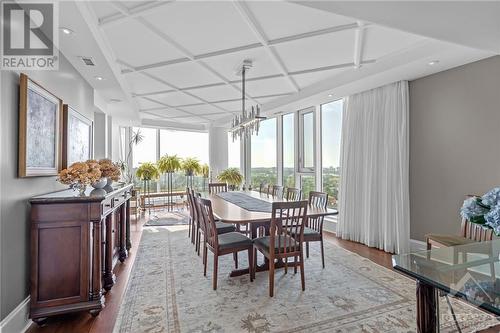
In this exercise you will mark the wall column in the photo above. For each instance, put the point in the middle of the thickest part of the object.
(217, 149)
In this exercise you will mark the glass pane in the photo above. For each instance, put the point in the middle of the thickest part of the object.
(233, 152)
(263, 154)
(145, 151)
(288, 150)
(307, 184)
(308, 140)
(331, 126)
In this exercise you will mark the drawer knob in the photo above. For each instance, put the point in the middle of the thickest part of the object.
(107, 205)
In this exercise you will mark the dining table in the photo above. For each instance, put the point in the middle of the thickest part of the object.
(253, 209)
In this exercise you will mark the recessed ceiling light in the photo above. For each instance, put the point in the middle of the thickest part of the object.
(99, 78)
(67, 31)
(330, 95)
(433, 62)
(115, 100)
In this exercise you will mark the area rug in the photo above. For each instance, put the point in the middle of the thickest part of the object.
(168, 293)
(169, 219)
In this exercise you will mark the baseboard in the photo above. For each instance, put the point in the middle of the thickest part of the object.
(17, 321)
(416, 245)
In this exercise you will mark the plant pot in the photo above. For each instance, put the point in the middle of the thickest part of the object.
(109, 181)
(100, 184)
(189, 173)
(98, 192)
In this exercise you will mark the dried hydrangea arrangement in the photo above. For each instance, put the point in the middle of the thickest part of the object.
(484, 210)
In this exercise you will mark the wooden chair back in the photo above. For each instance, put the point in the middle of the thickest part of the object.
(190, 203)
(209, 221)
(288, 219)
(317, 199)
(277, 191)
(293, 194)
(475, 232)
(214, 188)
(201, 219)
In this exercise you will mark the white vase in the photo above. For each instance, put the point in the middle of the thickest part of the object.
(100, 183)
(109, 181)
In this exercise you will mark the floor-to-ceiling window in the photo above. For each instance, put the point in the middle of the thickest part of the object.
(289, 150)
(263, 154)
(331, 126)
(145, 151)
(184, 144)
(233, 152)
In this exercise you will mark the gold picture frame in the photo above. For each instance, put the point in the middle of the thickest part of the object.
(40, 130)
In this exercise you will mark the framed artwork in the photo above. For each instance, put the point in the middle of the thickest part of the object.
(78, 137)
(40, 130)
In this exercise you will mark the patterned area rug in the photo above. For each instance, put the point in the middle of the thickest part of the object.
(170, 218)
(168, 293)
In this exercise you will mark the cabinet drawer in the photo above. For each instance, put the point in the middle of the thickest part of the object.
(107, 205)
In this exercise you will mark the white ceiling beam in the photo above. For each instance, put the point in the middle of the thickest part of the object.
(261, 37)
(190, 114)
(359, 40)
(131, 13)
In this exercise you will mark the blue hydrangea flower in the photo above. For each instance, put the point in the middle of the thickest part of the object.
(492, 198)
(493, 219)
(471, 209)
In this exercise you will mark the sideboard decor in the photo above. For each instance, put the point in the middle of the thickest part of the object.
(40, 124)
(75, 243)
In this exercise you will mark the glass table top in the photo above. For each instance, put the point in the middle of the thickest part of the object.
(470, 271)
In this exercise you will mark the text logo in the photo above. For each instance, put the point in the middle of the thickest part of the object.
(30, 36)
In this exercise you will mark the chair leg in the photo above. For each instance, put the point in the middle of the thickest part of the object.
(271, 277)
(286, 265)
(307, 249)
(322, 253)
(235, 257)
(198, 241)
(216, 264)
(250, 263)
(205, 250)
(189, 228)
(295, 265)
(302, 276)
(254, 261)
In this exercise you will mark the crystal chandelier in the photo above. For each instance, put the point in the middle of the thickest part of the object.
(248, 122)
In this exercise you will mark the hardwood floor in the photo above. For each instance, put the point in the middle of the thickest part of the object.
(84, 323)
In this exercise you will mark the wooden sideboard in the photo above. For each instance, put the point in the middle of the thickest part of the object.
(75, 243)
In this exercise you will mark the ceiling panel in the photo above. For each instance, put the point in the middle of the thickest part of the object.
(307, 79)
(232, 106)
(170, 113)
(281, 19)
(203, 26)
(380, 41)
(229, 64)
(175, 98)
(191, 120)
(216, 93)
(138, 46)
(319, 51)
(265, 100)
(187, 74)
(147, 104)
(103, 8)
(278, 85)
(134, 4)
(141, 84)
(202, 109)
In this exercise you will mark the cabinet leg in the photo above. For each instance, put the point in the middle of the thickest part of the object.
(40, 321)
(95, 312)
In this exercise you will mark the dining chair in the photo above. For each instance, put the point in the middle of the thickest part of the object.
(221, 244)
(313, 232)
(277, 191)
(190, 207)
(214, 188)
(293, 194)
(287, 219)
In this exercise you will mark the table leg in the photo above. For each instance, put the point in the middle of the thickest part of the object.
(427, 314)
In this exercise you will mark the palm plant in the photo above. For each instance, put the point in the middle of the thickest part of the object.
(135, 139)
(147, 171)
(232, 176)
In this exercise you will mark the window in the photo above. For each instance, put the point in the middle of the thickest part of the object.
(145, 151)
(233, 152)
(307, 184)
(289, 150)
(306, 146)
(263, 152)
(331, 126)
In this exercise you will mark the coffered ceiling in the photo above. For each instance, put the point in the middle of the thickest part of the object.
(177, 60)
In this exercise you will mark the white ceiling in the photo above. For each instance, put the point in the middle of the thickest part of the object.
(177, 60)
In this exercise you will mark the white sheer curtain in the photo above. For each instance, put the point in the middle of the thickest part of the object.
(374, 186)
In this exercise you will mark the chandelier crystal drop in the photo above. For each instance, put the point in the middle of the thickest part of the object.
(248, 122)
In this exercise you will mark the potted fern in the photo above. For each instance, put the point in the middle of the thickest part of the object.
(190, 166)
(169, 164)
(231, 176)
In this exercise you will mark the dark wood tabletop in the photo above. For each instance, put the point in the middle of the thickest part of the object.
(231, 213)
